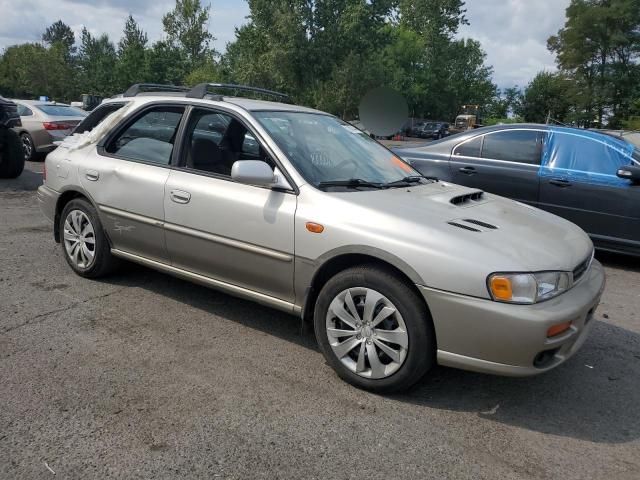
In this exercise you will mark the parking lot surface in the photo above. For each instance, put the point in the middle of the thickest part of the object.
(142, 375)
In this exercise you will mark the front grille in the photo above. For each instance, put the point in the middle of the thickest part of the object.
(581, 269)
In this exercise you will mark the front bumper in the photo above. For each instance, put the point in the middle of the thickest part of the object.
(48, 199)
(505, 339)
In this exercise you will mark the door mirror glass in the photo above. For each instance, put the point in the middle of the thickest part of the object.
(256, 172)
(629, 172)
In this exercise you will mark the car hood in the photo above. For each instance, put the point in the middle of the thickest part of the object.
(448, 230)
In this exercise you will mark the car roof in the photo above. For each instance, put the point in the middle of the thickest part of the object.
(248, 104)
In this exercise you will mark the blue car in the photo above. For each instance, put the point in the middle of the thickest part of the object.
(590, 178)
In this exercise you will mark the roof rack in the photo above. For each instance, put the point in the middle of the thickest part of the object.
(137, 88)
(202, 89)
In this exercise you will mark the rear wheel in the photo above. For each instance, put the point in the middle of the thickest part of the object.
(11, 154)
(28, 147)
(374, 330)
(84, 244)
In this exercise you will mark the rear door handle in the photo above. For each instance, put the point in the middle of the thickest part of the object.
(92, 175)
(180, 196)
(468, 170)
(560, 182)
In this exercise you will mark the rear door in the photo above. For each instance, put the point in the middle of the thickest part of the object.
(580, 184)
(504, 162)
(126, 177)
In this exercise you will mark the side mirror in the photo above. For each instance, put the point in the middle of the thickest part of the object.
(257, 172)
(629, 172)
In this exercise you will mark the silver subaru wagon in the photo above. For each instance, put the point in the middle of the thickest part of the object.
(298, 210)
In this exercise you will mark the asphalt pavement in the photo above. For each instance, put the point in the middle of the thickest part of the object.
(142, 375)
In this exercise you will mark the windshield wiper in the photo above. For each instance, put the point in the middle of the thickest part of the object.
(406, 181)
(351, 183)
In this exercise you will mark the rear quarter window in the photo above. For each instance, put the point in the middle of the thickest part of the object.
(97, 116)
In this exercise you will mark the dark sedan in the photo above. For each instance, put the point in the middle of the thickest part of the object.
(435, 130)
(587, 177)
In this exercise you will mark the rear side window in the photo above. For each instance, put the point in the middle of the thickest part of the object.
(149, 137)
(96, 117)
(61, 111)
(522, 146)
(23, 111)
(470, 148)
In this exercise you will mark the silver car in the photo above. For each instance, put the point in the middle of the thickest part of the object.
(298, 210)
(44, 123)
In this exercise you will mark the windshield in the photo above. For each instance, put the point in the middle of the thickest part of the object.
(62, 111)
(325, 149)
(432, 126)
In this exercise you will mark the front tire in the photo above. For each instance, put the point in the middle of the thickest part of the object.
(374, 330)
(84, 243)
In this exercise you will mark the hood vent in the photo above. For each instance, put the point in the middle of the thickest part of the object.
(480, 224)
(467, 198)
(472, 225)
(463, 226)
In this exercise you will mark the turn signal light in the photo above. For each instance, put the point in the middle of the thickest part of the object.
(315, 227)
(558, 329)
(501, 288)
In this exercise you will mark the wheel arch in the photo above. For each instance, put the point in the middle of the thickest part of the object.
(64, 198)
(330, 264)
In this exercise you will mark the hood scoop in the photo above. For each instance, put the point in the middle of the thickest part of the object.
(472, 225)
(467, 198)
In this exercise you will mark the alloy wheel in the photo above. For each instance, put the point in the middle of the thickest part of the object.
(367, 333)
(27, 147)
(79, 239)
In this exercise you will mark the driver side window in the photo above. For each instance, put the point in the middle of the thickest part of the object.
(214, 141)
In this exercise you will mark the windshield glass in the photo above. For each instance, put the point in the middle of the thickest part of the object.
(431, 126)
(62, 111)
(325, 149)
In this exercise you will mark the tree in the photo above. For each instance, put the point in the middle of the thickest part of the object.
(598, 48)
(97, 64)
(186, 27)
(132, 61)
(547, 97)
(60, 32)
(166, 64)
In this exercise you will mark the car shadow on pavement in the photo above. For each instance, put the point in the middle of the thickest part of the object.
(593, 397)
(27, 181)
(617, 260)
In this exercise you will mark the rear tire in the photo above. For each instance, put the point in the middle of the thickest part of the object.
(28, 147)
(84, 244)
(381, 356)
(11, 154)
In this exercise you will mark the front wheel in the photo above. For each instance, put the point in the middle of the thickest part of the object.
(374, 330)
(28, 147)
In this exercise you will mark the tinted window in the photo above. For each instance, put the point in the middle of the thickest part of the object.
(150, 137)
(470, 148)
(97, 116)
(215, 141)
(24, 111)
(523, 146)
(62, 111)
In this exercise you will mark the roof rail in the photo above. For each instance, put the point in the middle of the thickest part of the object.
(137, 88)
(202, 89)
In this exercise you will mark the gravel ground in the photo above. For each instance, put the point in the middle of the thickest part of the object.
(142, 375)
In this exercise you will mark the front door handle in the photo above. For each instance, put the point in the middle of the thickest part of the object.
(180, 196)
(468, 170)
(560, 182)
(92, 175)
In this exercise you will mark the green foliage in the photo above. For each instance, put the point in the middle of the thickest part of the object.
(60, 32)
(186, 28)
(132, 65)
(598, 49)
(547, 97)
(97, 61)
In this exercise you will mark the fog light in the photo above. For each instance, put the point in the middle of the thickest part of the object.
(558, 329)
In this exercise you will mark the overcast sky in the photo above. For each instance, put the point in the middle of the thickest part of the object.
(512, 32)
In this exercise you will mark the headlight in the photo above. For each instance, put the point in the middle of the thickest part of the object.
(527, 287)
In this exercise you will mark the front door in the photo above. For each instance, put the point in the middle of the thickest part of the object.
(578, 182)
(504, 162)
(126, 179)
(238, 234)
